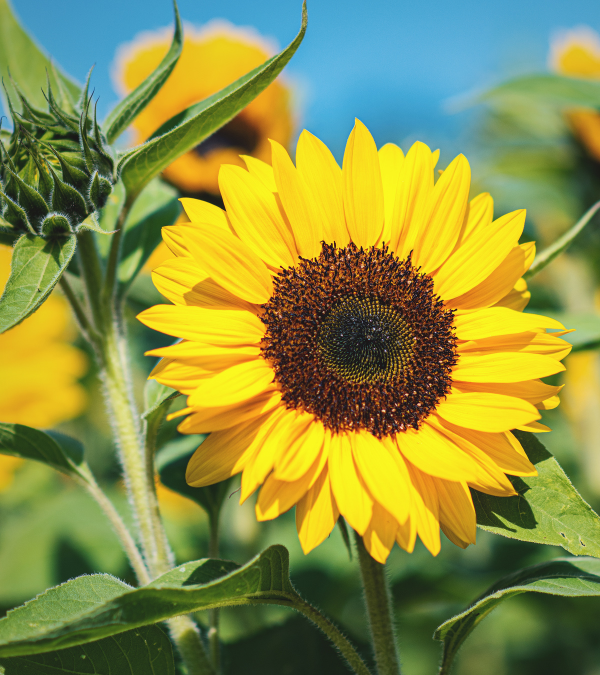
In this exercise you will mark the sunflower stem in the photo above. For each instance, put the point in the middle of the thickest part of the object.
(379, 610)
(213, 614)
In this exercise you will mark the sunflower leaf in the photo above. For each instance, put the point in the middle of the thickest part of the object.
(563, 576)
(36, 267)
(547, 510)
(546, 256)
(144, 651)
(130, 107)
(22, 60)
(156, 395)
(89, 608)
(156, 207)
(61, 452)
(171, 463)
(190, 127)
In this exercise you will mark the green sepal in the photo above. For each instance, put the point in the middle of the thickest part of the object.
(30, 200)
(547, 509)
(71, 174)
(56, 224)
(100, 189)
(568, 577)
(36, 267)
(15, 214)
(133, 104)
(66, 199)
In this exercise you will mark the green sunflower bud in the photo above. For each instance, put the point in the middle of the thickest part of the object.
(56, 168)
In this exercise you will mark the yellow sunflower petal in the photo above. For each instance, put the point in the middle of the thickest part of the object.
(301, 455)
(350, 492)
(380, 534)
(199, 211)
(183, 283)
(425, 509)
(533, 391)
(230, 262)
(234, 385)
(323, 178)
(480, 214)
(504, 367)
(406, 534)
(500, 281)
(223, 453)
(316, 513)
(175, 241)
(212, 326)
(457, 513)
(444, 216)
(207, 420)
(278, 496)
(381, 475)
(295, 197)
(487, 412)
(390, 162)
(261, 170)
(479, 255)
(255, 217)
(517, 298)
(414, 190)
(535, 427)
(531, 342)
(363, 190)
(493, 321)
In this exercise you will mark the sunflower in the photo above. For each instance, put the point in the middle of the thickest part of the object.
(39, 369)
(576, 53)
(212, 57)
(354, 341)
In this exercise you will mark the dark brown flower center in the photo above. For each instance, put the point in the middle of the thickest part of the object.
(359, 339)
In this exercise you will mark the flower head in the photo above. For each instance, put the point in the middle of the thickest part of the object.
(354, 340)
(212, 57)
(576, 53)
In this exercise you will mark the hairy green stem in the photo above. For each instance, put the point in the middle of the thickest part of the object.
(85, 326)
(334, 634)
(91, 273)
(379, 610)
(129, 546)
(213, 614)
(186, 636)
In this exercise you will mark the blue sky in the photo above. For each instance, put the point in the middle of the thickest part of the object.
(392, 64)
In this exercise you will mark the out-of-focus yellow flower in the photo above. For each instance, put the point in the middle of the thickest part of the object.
(213, 57)
(39, 369)
(576, 53)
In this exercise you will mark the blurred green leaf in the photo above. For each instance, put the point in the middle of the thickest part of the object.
(54, 449)
(551, 89)
(547, 510)
(36, 267)
(564, 576)
(28, 66)
(546, 256)
(92, 607)
(190, 127)
(155, 208)
(144, 651)
(130, 107)
(171, 463)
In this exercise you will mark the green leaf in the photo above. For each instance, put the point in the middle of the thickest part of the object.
(156, 395)
(171, 463)
(546, 256)
(128, 109)
(52, 448)
(36, 267)
(564, 576)
(554, 89)
(156, 207)
(93, 607)
(144, 651)
(190, 127)
(547, 510)
(27, 64)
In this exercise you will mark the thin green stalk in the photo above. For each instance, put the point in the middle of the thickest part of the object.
(91, 273)
(379, 610)
(186, 636)
(85, 326)
(213, 614)
(338, 638)
(127, 541)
